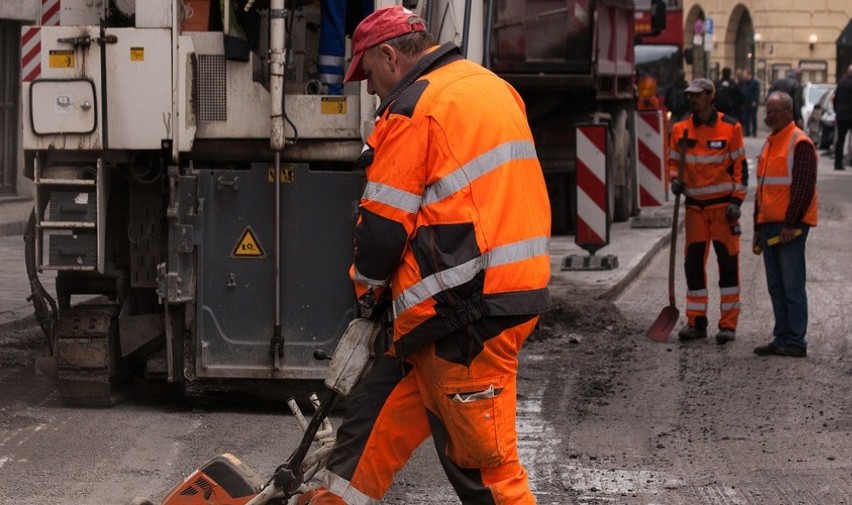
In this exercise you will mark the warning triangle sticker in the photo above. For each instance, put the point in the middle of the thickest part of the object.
(248, 246)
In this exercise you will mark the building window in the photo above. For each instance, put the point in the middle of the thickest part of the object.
(779, 71)
(814, 70)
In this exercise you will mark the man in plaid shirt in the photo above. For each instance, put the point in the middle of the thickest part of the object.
(785, 209)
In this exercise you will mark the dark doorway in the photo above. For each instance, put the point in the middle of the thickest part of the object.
(744, 41)
(10, 85)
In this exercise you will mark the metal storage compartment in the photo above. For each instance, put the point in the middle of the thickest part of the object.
(542, 36)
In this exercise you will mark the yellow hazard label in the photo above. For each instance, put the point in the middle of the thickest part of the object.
(248, 246)
(137, 54)
(61, 58)
(333, 105)
(286, 175)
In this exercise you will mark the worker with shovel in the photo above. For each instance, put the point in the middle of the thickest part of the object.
(454, 227)
(708, 147)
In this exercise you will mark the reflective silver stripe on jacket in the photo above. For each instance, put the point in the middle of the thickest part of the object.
(486, 162)
(454, 181)
(394, 197)
(343, 488)
(708, 158)
(358, 277)
(458, 275)
(787, 179)
(777, 181)
(706, 190)
(702, 158)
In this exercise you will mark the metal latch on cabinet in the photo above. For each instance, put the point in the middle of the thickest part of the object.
(85, 41)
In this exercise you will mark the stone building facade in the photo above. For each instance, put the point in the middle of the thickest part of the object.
(768, 37)
(15, 190)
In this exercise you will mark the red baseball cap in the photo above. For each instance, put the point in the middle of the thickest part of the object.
(383, 24)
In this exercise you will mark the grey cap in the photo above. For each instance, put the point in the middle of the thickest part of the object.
(701, 85)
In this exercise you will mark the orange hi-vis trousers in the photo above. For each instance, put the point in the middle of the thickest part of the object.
(468, 410)
(703, 227)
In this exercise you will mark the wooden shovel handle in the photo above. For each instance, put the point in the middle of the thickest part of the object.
(681, 164)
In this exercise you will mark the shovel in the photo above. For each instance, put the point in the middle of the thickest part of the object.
(665, 322)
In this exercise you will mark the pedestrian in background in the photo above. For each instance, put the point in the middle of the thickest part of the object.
(675, 97)
(728, 99)
(714, 182)
(786, 207)
(791, 84)
(454, 225)
(750, 90)
(843, 110)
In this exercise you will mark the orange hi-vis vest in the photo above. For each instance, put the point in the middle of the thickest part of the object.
(714, 174)
(455, 217)
(775, 177)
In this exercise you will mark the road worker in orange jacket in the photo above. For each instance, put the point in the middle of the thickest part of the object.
(714, 182)
(785, 209)
(454, 228)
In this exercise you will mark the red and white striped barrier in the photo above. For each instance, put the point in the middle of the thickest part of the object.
(650, 170)
(30, 53)
(650, 158)
(592, 204)
(31, 40)
(50, 12)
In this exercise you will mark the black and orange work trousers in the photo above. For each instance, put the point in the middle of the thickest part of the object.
(705, 226)
(466, 404)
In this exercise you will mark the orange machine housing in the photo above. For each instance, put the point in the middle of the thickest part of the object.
(224, 480)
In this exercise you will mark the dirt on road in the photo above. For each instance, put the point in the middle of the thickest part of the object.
(605, 415)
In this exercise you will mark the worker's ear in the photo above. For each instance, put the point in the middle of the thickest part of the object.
(388, 57)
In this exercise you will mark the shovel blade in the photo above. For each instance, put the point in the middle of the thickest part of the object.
(665, 323)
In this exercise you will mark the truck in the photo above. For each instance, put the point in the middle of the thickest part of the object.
(659, 47)
(194, 178)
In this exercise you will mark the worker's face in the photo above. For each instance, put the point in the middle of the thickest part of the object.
(699, 101)
(379, 64)
(778, 115)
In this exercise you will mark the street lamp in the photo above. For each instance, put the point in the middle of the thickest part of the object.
(812, 40)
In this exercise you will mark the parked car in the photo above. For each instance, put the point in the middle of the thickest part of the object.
(822, 121)
(811, 93)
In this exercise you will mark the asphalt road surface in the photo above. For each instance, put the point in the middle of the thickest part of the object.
(606, 415)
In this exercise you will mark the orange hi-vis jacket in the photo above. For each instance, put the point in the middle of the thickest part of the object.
(775, 177)
(716, 172)
(455, 217)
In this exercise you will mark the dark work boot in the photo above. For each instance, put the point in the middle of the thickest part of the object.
(766, 350)
(725, 335)
(692, 333)
(791, 351)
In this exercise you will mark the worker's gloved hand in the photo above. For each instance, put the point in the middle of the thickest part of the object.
(677, 186)
(733, 212)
